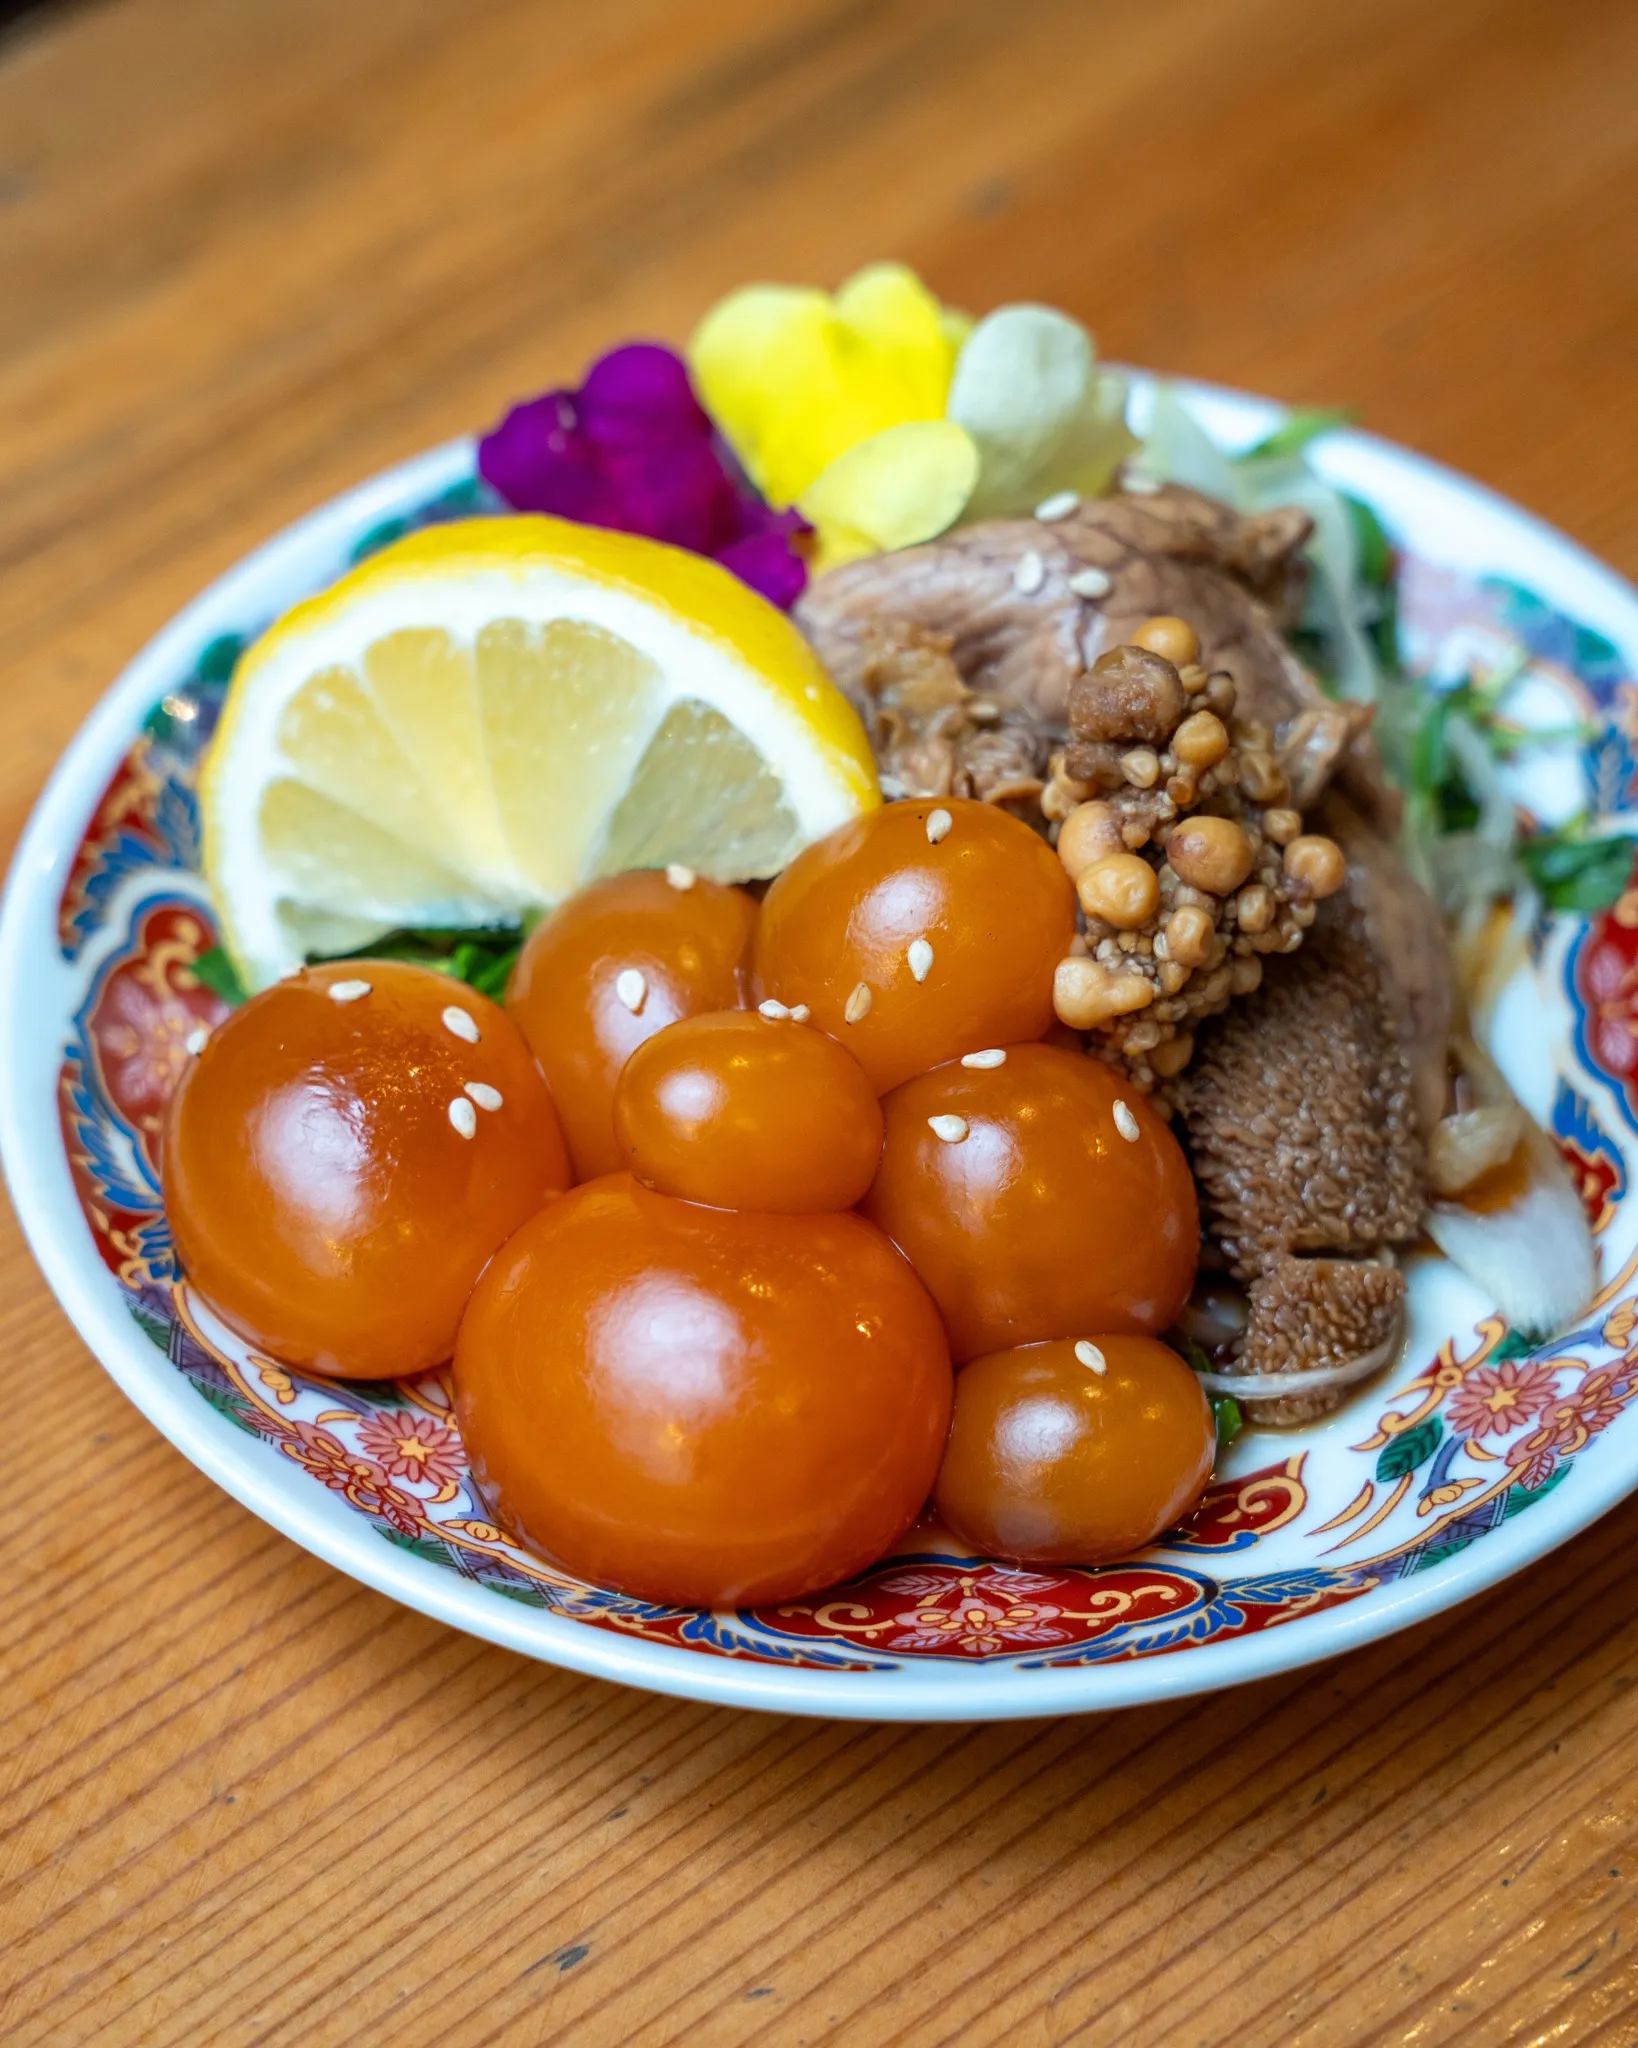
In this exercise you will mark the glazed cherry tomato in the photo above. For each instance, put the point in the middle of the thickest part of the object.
(917, 933)
(698, 1406)
(749, 1112)
(1074, 1452)
(1037, 1194)
(610, 967)
(345, 1154)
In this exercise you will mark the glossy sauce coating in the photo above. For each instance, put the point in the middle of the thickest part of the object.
(618, 962)
(917, 933)
(1037, 1197)
(697, 1406)
(339, 1163)
(748, 1112)
(1066, 1456)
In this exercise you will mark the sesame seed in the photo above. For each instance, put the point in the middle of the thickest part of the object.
(772, 1010)
(1126, 1123)
(464, 1117)
(858, 1004)
(483, 1095)
(347, 991)
(1029, 573)
(800, 1013)
(1058, 506)
(938, 824)
(680, 877)
(1141, 486)
(631, 988)
(920, 957)
(1091, 583)
(462, 1023)
(891, 786)
(196, 1040)
(993, 1056)
(952, 1129)
(1091, 1357)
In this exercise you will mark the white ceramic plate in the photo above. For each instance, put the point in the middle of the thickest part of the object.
(1311, 1542)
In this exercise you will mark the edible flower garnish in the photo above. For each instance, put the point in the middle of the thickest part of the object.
(1044, 417)
(634, 449)
(885, 417)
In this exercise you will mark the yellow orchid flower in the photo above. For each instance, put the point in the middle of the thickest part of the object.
(795, 378)
(903, 485)
(885, 417)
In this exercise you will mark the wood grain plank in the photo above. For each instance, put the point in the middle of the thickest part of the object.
(255, 249)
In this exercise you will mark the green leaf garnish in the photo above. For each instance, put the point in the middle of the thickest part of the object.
(482, 956)
(220, 976)
(1304, 424)
(1225, 1413)
(1576, 873)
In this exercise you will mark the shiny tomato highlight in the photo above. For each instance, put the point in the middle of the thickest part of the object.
(1037, 1197)
(698, 1406)
(618, 962)
(748, 1112)
(343, 1157)
(1074, 1452)
(921, 931)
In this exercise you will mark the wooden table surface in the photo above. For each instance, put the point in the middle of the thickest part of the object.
(252, 250)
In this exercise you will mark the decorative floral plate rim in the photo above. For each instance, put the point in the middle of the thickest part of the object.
(991, 1643)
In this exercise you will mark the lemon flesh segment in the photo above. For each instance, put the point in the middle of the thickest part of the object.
(702, 796)
(332, 858)
(425, 687)
(480, 719)
(567, 709)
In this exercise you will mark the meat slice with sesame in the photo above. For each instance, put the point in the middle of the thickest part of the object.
(1025, 606)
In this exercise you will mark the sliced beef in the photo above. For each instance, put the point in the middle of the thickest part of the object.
(1028, 605)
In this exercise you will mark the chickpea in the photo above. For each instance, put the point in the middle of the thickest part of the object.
(1189, 934)
(1086, 993)
(1172, 1057)
(1089, 833)
(1141, 767)
(1121, 889)
(1281, 827)
(1211, 853)
(1255, 908)
(1175, 640)
(1317, 863)
(1245, 975)
(1201, 740)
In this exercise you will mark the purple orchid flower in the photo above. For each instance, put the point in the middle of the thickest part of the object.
(634, 449)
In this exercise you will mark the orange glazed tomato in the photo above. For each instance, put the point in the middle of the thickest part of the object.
(749, 1112)
(609, 968)
(345, 1154)
(1037, 1197)
(697, 1406)
(918, 932)
(1074, 1452)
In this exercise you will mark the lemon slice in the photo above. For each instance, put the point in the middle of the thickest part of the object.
(487, 715)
